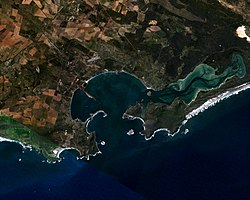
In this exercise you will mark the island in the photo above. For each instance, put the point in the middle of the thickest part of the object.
(146, 66)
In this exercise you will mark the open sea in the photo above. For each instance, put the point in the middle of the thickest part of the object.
(212, 161)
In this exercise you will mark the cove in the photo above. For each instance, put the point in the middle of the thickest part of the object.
(114, 92)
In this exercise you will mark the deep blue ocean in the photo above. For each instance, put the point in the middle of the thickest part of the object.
(212, 161)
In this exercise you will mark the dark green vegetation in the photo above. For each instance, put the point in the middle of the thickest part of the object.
(202, 78)
(115, 92)
(13, 130)
(51, 48)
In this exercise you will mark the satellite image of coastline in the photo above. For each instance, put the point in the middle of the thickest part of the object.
(124, 99)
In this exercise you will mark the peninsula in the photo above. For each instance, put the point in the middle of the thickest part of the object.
(149, 65)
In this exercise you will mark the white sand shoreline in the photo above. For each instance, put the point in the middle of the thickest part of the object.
(2, 139)
(209, 103)
(59, 150)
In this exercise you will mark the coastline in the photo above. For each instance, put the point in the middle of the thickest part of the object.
(2, 139)
(212, 102)
(56, 152)
(59, 150)
(24, 146)
(209, 103)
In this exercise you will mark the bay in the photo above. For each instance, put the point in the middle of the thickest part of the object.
(212, 161)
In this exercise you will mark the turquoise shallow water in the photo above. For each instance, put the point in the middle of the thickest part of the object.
(119, 90)
(212, 161)
(114, 92)
(202, 78)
